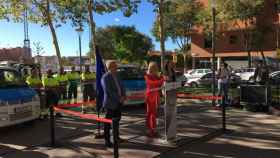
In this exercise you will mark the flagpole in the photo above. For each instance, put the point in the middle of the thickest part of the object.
(100, 70)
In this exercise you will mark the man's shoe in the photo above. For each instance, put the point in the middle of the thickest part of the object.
(109, 145)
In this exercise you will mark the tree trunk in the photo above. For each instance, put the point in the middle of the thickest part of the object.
(162, 38)
(246, 38)
(248, 51)
(92, 29)
(55, 42)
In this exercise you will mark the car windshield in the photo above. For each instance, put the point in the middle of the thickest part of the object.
(131, 73)
(209, 75)
(192, 72)
(10, 78)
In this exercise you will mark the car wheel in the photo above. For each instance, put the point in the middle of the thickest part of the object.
(251, 79)
(194, 85)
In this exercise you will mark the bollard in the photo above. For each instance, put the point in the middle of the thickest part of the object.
(52, 126)
(224, 113)
(98, 135)
(116, 137)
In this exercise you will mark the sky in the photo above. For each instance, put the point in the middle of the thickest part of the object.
(12, 35)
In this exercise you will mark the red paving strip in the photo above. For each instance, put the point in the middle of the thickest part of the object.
(188, 96)
(84, 116)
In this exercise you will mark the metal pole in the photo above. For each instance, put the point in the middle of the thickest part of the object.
(80, 51)
(115, 137)
(224, 113)
(213, 53)
(52, 126)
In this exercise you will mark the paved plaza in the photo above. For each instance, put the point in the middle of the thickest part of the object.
(250, 135)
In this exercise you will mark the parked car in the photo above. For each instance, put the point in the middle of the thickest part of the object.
(207, 80)
(134, 83)
(245, 73)
(196, 73)
(18, 102)
(274, 78)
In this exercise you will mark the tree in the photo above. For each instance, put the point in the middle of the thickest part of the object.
(180, 18)
(123, 43)
(128, 7)
(53, 13)
(39, 49)
(160, 8)
(49, 13)
(244, 13)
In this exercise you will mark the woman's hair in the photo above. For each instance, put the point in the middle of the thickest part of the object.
(153, 68)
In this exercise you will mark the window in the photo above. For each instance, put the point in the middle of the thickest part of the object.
(193, 72)
(9, 78)
(233, 39)
(200, 71)
(207, 76)
(207, 71)
(131, 73)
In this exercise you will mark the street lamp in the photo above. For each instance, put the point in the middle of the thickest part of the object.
(80, 32)
(213, 6)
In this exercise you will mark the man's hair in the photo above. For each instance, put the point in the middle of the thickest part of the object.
(109, 63)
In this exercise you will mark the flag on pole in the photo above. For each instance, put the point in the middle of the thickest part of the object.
(100, 70)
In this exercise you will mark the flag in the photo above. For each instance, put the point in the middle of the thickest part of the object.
(100, 70)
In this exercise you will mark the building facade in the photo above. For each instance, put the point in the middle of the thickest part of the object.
(230, 43)
(51, 62)
(47, 62)
(18, 55)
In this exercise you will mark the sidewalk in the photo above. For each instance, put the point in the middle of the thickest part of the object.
(254, 135)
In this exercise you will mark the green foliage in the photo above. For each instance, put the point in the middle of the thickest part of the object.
(179, 18)
(241, 9)
(123, 43)
(39, 49)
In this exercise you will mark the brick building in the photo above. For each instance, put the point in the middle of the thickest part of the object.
(18, 54)
(230, 44)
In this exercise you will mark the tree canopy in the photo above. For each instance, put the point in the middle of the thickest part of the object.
(55, 13)
(180, 18)
(123, 43)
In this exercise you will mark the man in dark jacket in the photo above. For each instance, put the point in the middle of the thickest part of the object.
(261, 74)
(114, 97)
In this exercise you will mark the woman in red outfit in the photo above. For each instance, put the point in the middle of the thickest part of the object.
(153, 81)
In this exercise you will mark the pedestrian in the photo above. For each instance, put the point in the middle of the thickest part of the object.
(223, 82)
(34, 82)
(114, 97)
(153, 81)
(25, 73)
(88, 82)
(73, 80)
(170, 100)
(63, 81)
(261, 74)
(51, 86)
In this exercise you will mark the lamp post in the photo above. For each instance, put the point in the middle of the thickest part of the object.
(213, 48)
(80, 32)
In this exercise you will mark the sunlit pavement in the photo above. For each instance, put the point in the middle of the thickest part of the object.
(253, 135)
